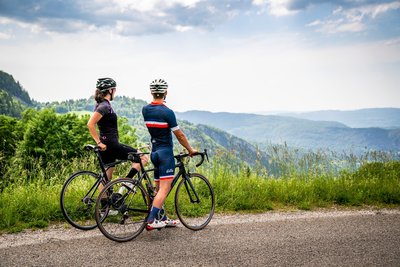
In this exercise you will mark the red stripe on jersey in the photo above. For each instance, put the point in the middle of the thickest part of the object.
(157, 124)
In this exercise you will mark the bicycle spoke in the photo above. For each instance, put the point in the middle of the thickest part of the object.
(127, 210)
(194, 202)
(78, 199)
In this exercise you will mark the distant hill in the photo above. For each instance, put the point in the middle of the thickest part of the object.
(202, 136)
(13, 98)
(236, 132)
(388, 118)
(14, 88)
(272, 129)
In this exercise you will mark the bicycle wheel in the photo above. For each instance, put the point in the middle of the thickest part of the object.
(78, 198)
(124, 216)
(194, 201)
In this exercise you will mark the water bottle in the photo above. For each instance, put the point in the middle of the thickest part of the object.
(122, 189)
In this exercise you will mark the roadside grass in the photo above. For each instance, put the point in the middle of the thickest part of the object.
(34, 203)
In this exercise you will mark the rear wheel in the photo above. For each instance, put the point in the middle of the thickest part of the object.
(194, 201)
(122, 217)
(78, 198)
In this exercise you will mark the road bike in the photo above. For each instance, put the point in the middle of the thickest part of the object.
(129, 200)
(80, 191)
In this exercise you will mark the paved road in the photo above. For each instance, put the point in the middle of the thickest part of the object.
(356, 238)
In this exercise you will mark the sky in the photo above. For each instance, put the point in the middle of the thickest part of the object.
(221, 56)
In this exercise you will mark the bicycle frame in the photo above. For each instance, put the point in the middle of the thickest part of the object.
(103, 168)
(143, 175)
(130, 200)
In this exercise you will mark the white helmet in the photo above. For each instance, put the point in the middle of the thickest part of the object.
(158, 86)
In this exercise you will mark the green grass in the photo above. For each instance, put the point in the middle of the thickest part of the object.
(32, 200)
(31, 205)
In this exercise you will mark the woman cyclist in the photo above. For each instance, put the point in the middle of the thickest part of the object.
(160, 122)
(106, 120)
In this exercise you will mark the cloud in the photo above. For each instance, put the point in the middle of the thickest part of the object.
(125, 17)
(5, 36)
(352, 17)
(144, 17)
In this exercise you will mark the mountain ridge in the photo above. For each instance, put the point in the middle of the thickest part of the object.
(201, 136)
(303, 133)
(251, 129)
(387, 117)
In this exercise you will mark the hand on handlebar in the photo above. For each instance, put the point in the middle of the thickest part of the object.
(102, 146)
(193, 152)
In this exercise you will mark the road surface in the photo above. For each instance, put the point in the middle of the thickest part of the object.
(300, 238)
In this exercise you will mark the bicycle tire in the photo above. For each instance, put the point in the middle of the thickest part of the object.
(194, 215)
(126, 216)
(78, 198)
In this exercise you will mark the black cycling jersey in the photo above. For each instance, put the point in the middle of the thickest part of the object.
(108, 124)
(108, 127)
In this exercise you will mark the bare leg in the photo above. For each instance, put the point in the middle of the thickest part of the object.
(164, 188)
(109, 172)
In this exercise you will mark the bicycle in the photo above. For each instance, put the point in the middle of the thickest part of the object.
(132, 198)
(80, 191)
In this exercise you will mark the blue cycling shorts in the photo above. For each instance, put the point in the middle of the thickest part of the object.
(164, 163)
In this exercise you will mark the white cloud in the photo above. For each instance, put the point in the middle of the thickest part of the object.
(280, 8)
(336, 26)
(353, 19)
(5, 36)
(371, 10)
(154, 5)
(392, 42)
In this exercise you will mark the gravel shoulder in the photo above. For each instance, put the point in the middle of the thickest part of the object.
(64, 232)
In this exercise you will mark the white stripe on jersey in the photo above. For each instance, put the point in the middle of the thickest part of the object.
(156, 123)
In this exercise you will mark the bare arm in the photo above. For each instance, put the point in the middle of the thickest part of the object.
(184, 142)
(92, 129)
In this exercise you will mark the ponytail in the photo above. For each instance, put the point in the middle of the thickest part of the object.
(99, 95)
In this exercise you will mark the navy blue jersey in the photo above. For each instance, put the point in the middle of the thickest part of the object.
(160, 121)
(108, 124)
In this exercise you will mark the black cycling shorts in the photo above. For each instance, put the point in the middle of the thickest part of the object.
(114, 151)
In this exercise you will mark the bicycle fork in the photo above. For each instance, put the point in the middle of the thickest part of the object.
(191, 191)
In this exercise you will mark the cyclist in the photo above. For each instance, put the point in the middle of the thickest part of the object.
(106, 120)
(160, 121)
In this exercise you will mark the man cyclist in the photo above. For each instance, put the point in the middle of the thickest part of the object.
(160, 122)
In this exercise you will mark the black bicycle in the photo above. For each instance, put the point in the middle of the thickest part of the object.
(80, 191)
(129, 200)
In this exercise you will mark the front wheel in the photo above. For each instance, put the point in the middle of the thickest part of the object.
(122, 209)
(78, 198)
(194, 201)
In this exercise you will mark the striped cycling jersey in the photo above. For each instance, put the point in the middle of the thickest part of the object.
(160, 121)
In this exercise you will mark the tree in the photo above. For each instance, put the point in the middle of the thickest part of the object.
(10, 134)
(9, 106)
(52, 137)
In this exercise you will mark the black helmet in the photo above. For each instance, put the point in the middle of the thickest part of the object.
(158, 86)
(105, 83)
